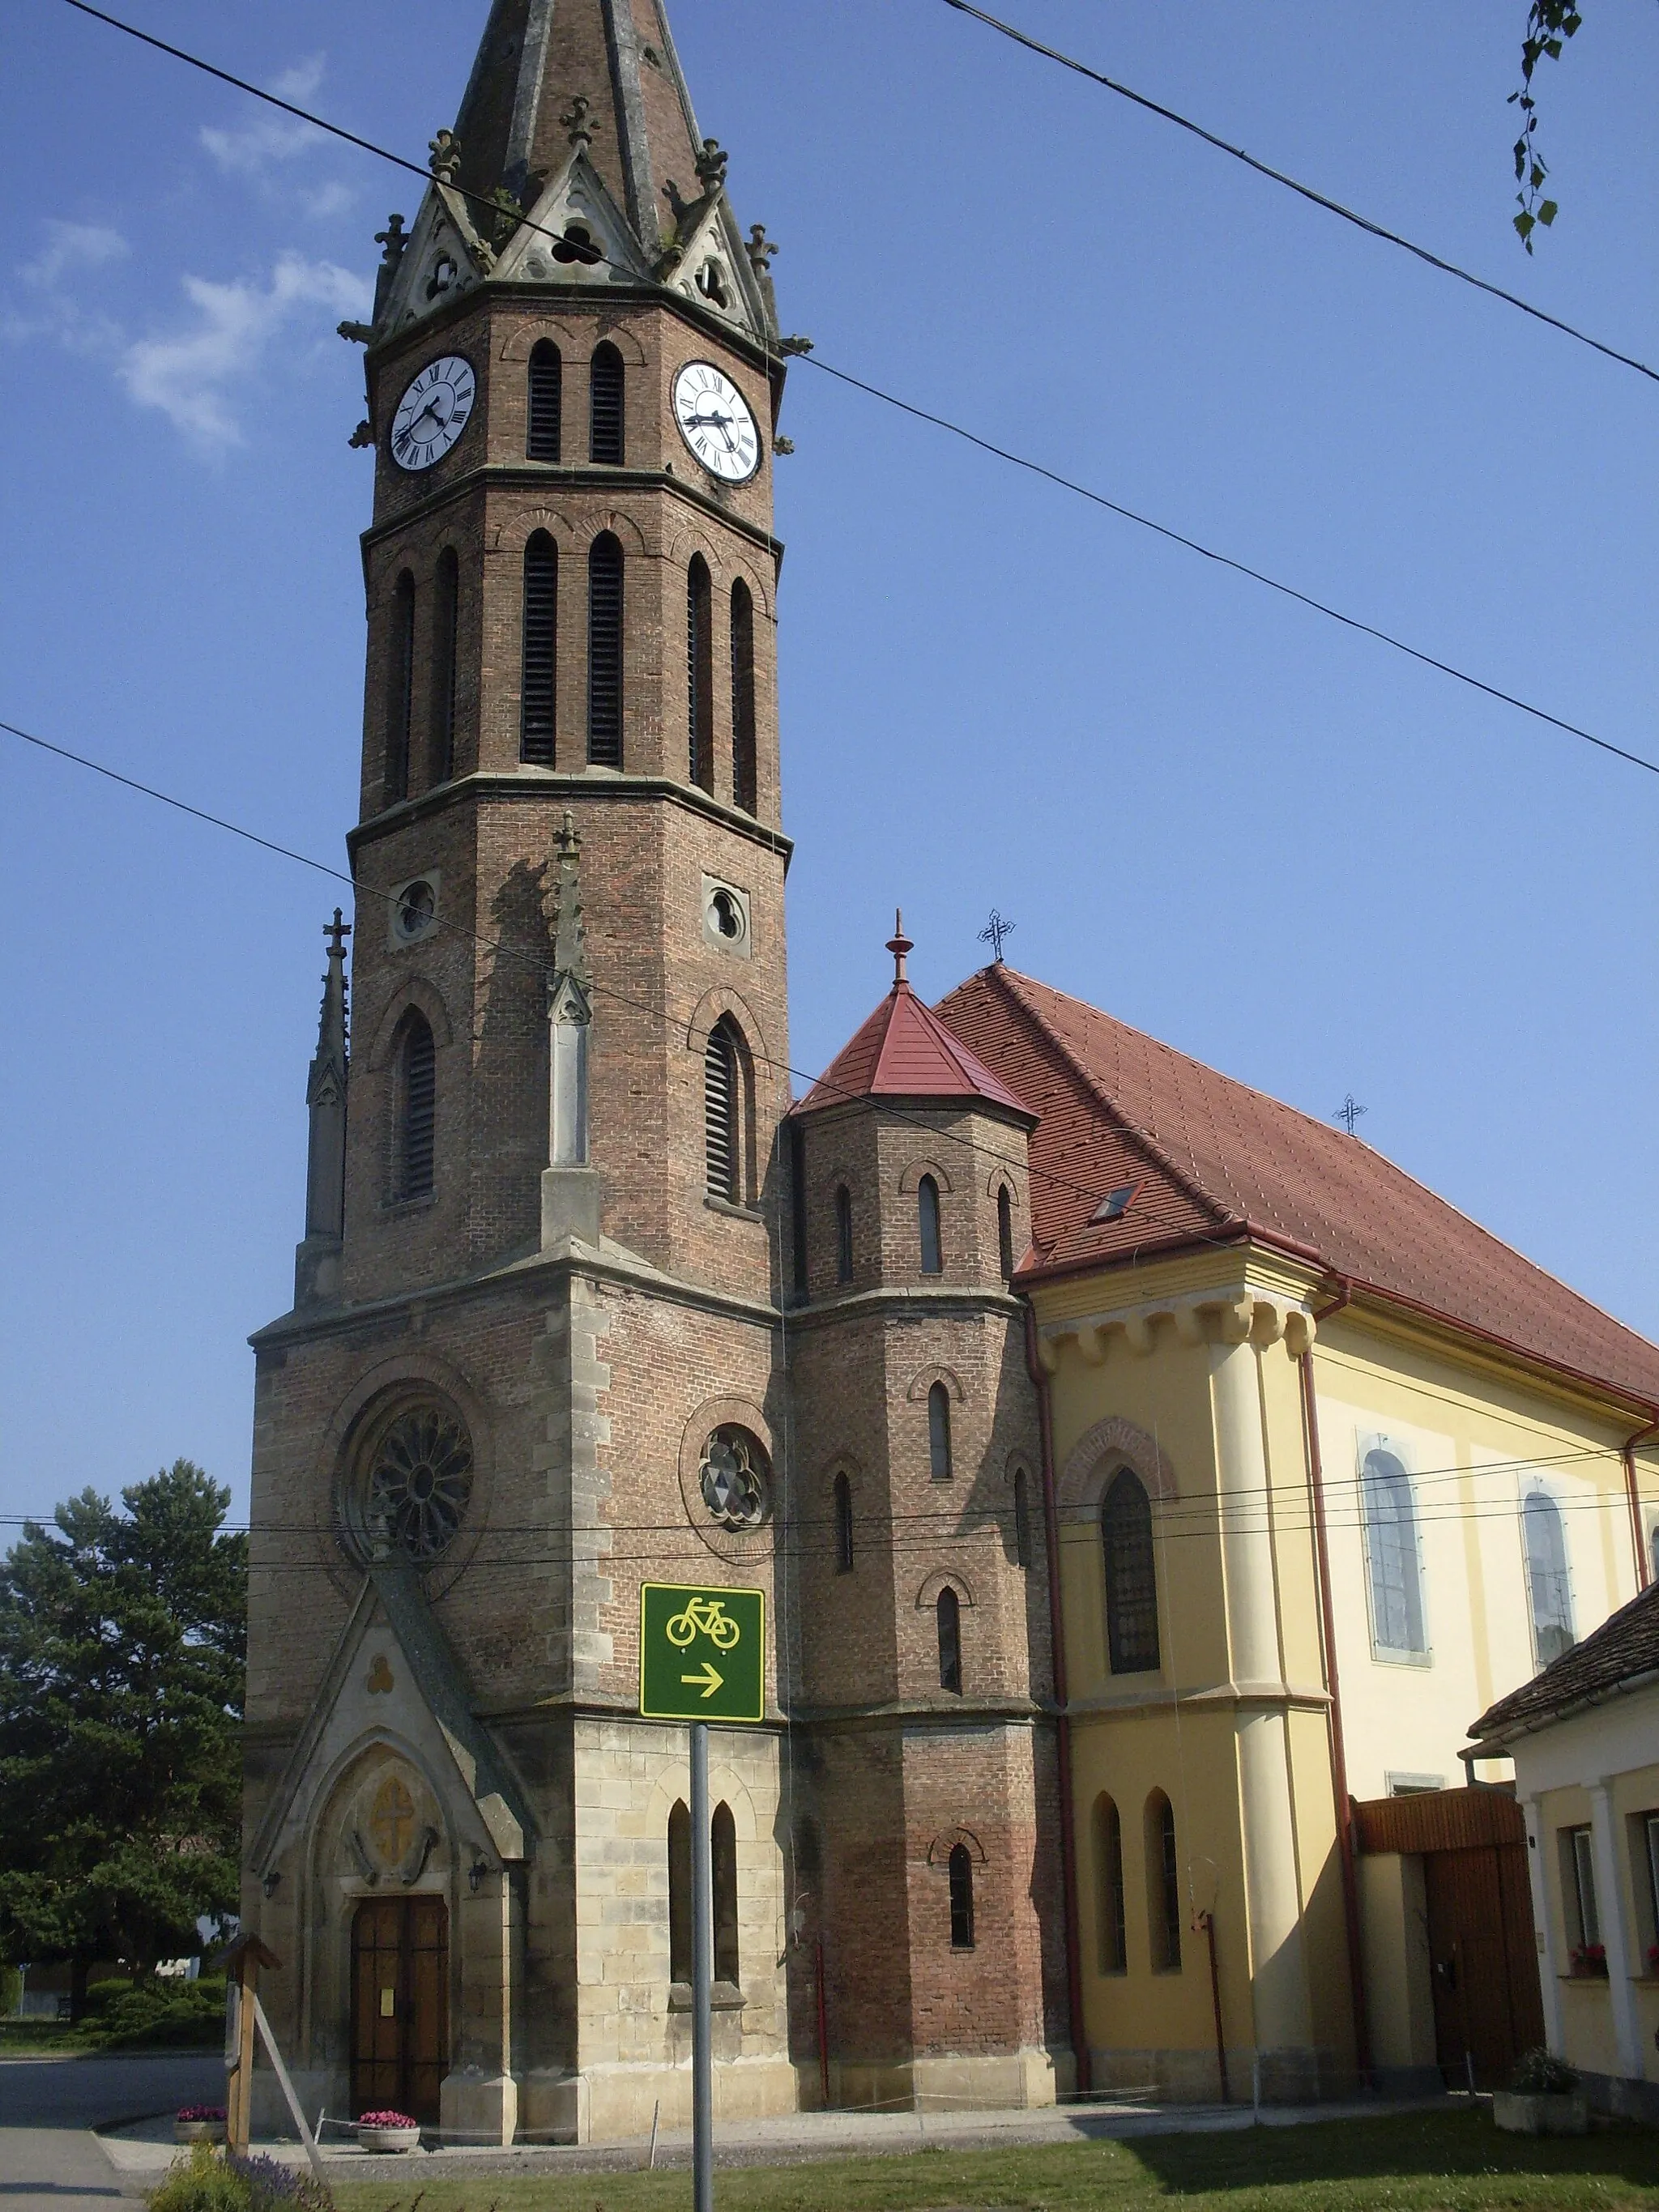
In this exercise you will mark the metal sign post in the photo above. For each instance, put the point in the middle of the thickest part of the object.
(703, 1658)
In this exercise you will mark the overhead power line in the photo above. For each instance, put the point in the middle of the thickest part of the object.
(939, 422)
(1305, 191)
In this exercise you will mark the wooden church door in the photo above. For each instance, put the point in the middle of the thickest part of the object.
(400, 2005)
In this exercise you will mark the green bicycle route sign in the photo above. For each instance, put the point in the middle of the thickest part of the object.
(702, 1653)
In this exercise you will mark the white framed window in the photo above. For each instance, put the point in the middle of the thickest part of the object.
(1549, 1578)
(1394, 1556)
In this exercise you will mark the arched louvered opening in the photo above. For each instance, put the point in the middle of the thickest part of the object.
(604, 435)
(962, 1898)
(679, 1893)
(932, 1252)
(1162, 1885)
(722, 1114)
(700, 671)
(1006, 1232)
(843, 1526)
(539, 681)
(1125, 1531)
(604, 652)
(938, 1433)
(723, 1856)
(1547, 1584)
(947, 1613)
(743, 697)
(844, 1234)
(545, 409)
(1111, 1931)
(399, 687)
(416, 1065)
(1022, 1517)
(445, 625)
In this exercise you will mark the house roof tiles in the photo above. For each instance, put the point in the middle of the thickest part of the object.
(1624, 1649)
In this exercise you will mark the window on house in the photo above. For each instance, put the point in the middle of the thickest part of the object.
(723, 1856)
(1547, 1584)
(1111, 1930)
(743, 697)
(1022, 1517)
(1006, 1232)
(843, 1526)
(1649, 1828)
(947, 1610)
(417, 1100)
(722, 1135)
(938, 1433)
(546, 402)
(933, 1255)
(399, 688)
(445, 625)
(604, 441)
(539, 667)
(1583, 1914)
(1164, 1870)
(1396, 1575)
(604, 652)
(1653, 1551)
(1126, 1532)
(844, 1234)
(700, 671)
(679, 1893)
(962, 1898)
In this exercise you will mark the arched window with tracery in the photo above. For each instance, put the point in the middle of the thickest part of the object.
(417, 1065)
(962, 1898)
(743, 697)
(399, 688)
(947, 1614)
(544, 414)
(679, 1893)
(700, 670)
(723, 1856)
(1125, 1530)
(722, 1113)
(1162, 1883)
(844, 1234)
(1398, 1625)
(1110, 1928)
(932, 1252)
(605, 386)
(539, 682)
(938, 1433)
(843, 1496)
(446, 628)
(604, 652)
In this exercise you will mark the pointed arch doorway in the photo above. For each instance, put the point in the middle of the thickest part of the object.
(400, 2005)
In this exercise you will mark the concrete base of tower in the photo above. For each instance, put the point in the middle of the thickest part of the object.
(616, 2104)
(476, 2107)
(1017, 2081)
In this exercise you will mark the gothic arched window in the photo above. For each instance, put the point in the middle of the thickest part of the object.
(722, 1115)
(1125, 1531)
(604, 652)
(933, 1253)
(417, 1109)
(743, 697)
(1110, 1931)
(539, 676)
(546, 402)
(679, 1893)
(1396, 1577)
(962, 1898)
(844, 1234)
(947, 1613)
(445, 624)
(604, 435)
(700, 671)
(1006, 1232)
(938, 1433)
(399, 688)
(1022, 1517)
(723, 1856)
(1548, 1582)
(1162, 1883)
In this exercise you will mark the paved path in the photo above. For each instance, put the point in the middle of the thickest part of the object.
(49, 2161)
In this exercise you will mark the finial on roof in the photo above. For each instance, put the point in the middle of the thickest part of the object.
(579, 123)
(711, 165)
(445, 153)
(899, 945)
(994, 932)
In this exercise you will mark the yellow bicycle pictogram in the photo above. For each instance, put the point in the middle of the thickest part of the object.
(709, 1614)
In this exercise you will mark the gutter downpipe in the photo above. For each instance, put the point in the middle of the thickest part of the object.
(1642, 1437)
(1062, 1722)
(1362, 2035)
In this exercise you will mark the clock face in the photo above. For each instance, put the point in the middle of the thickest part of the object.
(715, 423)
(433, 411)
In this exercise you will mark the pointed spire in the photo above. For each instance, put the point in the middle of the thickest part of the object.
(900, 947)
(316, 1274)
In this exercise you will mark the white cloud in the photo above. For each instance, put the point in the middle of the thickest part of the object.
(70, 248)
(189, 374)
(268, 136)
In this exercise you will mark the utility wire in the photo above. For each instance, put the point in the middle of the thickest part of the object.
(956, 429)
(1305, 192)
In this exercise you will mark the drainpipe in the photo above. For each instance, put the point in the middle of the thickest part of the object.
(1642, 1437)
(1063, 1726)
(1362, 2037)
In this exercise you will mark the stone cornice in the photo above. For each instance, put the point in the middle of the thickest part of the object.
(538, 783)
(1229, 1314)
(903, 1304)
(1131, 1704)
(552, 475)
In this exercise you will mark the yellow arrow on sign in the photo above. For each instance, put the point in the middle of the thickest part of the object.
(706, 1677)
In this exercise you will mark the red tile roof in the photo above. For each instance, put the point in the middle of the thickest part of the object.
(905, 1051)
(1621, 1654)
(1212, 1159)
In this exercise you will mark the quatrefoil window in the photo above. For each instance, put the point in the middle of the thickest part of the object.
(735, 1478)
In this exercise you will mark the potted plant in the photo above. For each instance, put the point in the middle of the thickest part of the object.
(387, 2131)
(1589, 1961)
(1543, 2098)
(199, 2123)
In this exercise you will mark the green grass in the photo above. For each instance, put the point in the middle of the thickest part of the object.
(28, 2038)
(1434, 2162)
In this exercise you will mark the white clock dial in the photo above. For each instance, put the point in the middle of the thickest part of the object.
(715, 423)
(433, 411)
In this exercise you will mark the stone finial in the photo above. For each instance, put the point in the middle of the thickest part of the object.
(569, 938)
(711, 166)
(445, 153)
(394, 237)
(579, 122)
(759, 248)
(900, 947)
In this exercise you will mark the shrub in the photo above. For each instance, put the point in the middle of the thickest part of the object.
(153, 2011)
(1540, 2072)
(201, 2183)
(274, 2187)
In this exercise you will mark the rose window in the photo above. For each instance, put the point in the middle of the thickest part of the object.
(734, 1479)
(419, 1483)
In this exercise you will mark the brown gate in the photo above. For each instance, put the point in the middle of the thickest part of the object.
(1483, 1952)
(400, 2005)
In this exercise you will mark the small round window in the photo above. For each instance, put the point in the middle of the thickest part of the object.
(416, 904)
(416, 1486)
(735, 1478)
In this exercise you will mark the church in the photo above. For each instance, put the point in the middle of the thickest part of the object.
(1140, 1475)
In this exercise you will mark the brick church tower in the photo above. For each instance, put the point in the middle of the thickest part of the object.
(539, 1349)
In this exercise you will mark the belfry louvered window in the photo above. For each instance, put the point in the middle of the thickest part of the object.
(545, 402)
(1125, 1530)
(604, 652)
(722, 1135)
(399, 688)
(539, 679)
(743, 697)
(700, 671)
(417, 1101)
(604, 441)
(446, 621)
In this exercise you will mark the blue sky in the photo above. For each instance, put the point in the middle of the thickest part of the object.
(1268, 842)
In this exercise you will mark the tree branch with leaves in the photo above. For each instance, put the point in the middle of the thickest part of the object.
(1550, 24)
